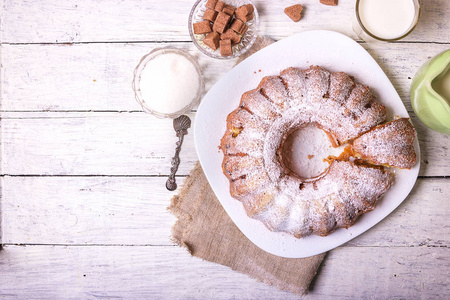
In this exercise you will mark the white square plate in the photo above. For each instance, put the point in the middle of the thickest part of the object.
(330, 50)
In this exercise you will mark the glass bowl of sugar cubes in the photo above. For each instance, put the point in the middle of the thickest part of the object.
(223, 29)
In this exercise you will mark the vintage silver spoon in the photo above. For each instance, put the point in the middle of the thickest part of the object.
(181, 125)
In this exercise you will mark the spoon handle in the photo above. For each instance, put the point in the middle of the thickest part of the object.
(180, 125)
(171, 185)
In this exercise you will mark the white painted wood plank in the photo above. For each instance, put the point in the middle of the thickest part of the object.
(132, 211)
(87, 210)
(384, 273)
(82, 76)
(152, 20)
(92, 144)
(128, 144)
(98, 76)
(44, 272)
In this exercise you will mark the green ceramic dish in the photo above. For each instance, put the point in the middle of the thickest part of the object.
(432, 108)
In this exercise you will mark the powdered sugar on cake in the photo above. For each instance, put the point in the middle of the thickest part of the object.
(254, 162)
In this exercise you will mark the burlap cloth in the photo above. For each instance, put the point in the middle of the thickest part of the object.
(207, 232)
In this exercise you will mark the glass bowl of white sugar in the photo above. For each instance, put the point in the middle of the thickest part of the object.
(168, 82)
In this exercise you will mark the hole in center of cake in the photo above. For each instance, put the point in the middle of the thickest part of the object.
(305, 150)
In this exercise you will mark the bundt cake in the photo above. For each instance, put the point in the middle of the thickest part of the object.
(352, 184)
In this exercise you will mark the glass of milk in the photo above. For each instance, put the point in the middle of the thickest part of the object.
(385, 20)
(168, 82)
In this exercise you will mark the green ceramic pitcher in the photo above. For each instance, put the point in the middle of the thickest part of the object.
(430, 93)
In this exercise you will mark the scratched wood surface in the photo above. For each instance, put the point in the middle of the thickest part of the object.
(83, 204)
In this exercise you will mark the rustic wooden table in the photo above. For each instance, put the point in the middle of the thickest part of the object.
(83, 202)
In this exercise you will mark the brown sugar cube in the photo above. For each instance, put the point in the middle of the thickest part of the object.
(243, 17)
(223, 18)
(247, 18)
(244, 29)
(225, 48)
(212, 40)
(250, 8)
(202, 27)
(228, 9)
(231, 35)
(329, 2)
(219, 27)
(240, 13)
(294, 12)
(210, 15)
(219, 6)
(211, 4)
(237, 25)
(245, 9)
